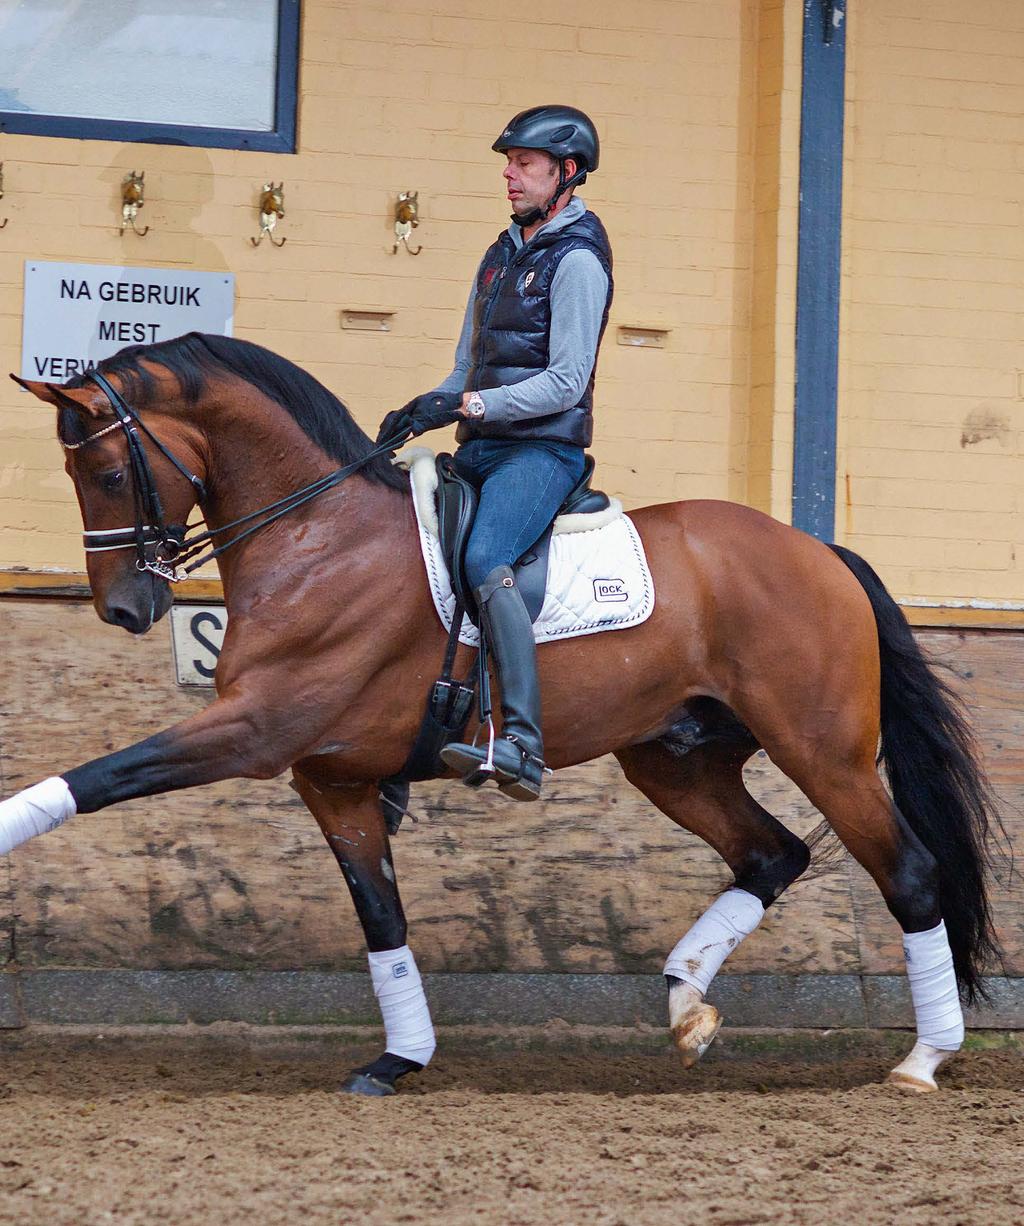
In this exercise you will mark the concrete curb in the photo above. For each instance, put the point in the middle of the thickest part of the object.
(311, 998)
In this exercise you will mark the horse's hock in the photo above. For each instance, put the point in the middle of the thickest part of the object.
(224, 903)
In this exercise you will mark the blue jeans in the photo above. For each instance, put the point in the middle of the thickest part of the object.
(522, 485)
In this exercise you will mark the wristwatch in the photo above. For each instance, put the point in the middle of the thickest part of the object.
(475, 406)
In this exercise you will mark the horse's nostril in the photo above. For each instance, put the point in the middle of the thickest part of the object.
(128, 619)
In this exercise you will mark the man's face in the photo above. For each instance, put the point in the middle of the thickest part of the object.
(531, 176)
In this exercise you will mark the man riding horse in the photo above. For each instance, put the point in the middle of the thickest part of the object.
(522, 391)
(763, 638)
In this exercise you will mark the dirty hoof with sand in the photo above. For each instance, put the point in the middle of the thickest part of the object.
(695, 1031)
(916, 1075)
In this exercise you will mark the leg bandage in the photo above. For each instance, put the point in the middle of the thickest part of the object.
(940, 1020)
(699, 955)
(403, 1004)
(36, 810)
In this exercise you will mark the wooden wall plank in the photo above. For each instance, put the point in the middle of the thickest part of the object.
(592, 879)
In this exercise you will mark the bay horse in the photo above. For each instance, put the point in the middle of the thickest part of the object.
(761, 636)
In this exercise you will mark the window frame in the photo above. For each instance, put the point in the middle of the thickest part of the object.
(281, 139)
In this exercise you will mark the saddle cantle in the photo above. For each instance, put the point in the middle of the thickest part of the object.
(457, 502)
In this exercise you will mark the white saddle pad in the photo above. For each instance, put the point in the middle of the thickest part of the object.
(598, 577)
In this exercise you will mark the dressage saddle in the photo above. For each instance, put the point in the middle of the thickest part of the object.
(457, 502)
(449, 701)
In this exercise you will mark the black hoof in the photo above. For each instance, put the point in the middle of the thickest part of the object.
(377, 1080)
(367, 1086)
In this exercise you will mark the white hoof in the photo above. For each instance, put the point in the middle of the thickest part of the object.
(916, 1074)
(693, 1023)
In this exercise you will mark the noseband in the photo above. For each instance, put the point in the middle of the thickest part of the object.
(157, 545)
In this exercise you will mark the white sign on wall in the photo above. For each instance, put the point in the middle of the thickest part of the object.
(77, 314)
(197, 632)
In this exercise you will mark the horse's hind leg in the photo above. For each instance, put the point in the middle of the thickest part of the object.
(860, 811)
(701, 788)
(352, 822)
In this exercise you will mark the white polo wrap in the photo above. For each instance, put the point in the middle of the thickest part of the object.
(699, 955)
(403, 1004)
(940, 1020)
(36, 810)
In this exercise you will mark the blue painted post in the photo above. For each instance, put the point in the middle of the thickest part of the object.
(817, 280)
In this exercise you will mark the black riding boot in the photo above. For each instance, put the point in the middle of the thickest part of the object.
(519, 751)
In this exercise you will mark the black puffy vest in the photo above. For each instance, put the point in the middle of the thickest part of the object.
(512, 327)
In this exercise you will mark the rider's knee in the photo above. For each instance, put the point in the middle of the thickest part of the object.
(478, 565)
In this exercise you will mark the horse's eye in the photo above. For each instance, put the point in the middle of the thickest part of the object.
(111, 482)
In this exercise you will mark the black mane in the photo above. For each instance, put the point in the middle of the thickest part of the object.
(192, 358)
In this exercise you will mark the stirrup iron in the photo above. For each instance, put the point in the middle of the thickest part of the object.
(485, 770)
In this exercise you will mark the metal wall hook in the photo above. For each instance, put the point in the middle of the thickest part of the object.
(271, 207)
(407, 218)
(132, 199)
(6, 219)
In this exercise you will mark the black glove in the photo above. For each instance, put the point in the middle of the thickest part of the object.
(396, 426)
(428, 412)
(435, 410)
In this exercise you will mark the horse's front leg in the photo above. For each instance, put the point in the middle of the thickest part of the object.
(352, 821)
(232, 738)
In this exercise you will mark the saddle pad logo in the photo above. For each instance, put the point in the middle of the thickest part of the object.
(400, 970)
(610, 591)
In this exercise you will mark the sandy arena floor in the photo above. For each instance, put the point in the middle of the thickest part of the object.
(230, 1125)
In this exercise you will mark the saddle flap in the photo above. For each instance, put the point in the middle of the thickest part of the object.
(531, 571)
(456, 508)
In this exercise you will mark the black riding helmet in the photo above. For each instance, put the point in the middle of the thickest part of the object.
(562, 131)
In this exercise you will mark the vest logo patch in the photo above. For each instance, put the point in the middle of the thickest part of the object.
(489, 275)
(610, 591)
(529, 279)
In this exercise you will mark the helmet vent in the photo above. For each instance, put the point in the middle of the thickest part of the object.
(563, 134)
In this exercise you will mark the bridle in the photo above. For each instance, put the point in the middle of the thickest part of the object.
(173, 551)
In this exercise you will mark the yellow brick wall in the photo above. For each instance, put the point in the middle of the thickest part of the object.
(768, 455)
(931, 472)
(410, 95)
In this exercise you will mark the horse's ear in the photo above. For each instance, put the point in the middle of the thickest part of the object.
(89, 401)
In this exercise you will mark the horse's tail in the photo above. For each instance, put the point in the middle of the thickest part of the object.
(936, 779)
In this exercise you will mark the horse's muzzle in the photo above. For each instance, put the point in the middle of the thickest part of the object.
(136, 603)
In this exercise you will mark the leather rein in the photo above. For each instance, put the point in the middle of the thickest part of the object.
(173, 551)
